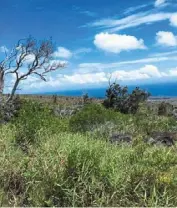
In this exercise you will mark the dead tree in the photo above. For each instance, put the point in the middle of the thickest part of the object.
(28, 57)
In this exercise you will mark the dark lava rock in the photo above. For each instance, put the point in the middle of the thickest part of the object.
(161, 138)
(120, 138)
(10, 110)
(174, 113)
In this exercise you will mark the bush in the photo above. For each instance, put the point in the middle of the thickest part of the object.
(67, 169)
(85, 98)
(10, 110)
(89, 117)
(119, 99)
(34, 119)
(165, 109)
(73, 170)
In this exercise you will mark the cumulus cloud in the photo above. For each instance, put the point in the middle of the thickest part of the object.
(165, 38)
(173, 20)
(116, 43)
(66, 53)
(95, 67)
(89, 78)
(146, 72)
(150, 70)
(123, 75)
(159, 3)
(62, 53)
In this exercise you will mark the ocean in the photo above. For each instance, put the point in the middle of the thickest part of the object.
(156, 90)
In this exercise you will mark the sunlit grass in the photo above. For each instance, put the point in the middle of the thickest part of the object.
(62, 168)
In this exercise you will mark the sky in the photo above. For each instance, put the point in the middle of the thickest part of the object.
(130, 41)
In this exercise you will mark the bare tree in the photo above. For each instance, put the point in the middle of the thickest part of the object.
(28, 57)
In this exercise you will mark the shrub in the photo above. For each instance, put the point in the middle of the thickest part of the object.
(89, 117)
(72, 170)
(35, 118)
(165, 109)
(85, 98)
(10, 110)
(67, 170)
(119, 99)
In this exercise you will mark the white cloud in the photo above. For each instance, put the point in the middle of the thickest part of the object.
(93, 67)
(66, 53)
(173, 20)
(146, 72)
(60, 81)
(133, 9)
(3, 49)
(135, 20)
(165, 38)
(29, 59)
(62, 53)
(116, 43)
(173, 72)
(89, 78)
(89, 13)
(129, 75)
(81, 51)
(169, 53)
(159, 3)
(150, 70)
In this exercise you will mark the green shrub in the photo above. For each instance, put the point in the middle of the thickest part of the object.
(89, 117)
(72, 170)
(165, 109)
(34, 119)
(119, 99)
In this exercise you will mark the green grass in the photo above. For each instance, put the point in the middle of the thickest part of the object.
(80, 168)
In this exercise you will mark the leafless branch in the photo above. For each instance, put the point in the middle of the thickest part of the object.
(33, 56)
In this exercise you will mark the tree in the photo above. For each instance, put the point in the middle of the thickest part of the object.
(118, 98)
(85, 98)
(115, 94)
(28, 57)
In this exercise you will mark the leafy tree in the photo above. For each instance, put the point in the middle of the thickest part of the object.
(118, 98)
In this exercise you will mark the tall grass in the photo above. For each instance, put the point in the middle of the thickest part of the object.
(62, 168)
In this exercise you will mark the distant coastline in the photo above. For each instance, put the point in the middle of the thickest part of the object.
(165, 91)
(158, 91)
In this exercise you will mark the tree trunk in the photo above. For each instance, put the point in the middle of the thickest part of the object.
(1, 85)
(13, 91)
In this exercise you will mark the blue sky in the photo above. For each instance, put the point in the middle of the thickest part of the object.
(132, 41)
